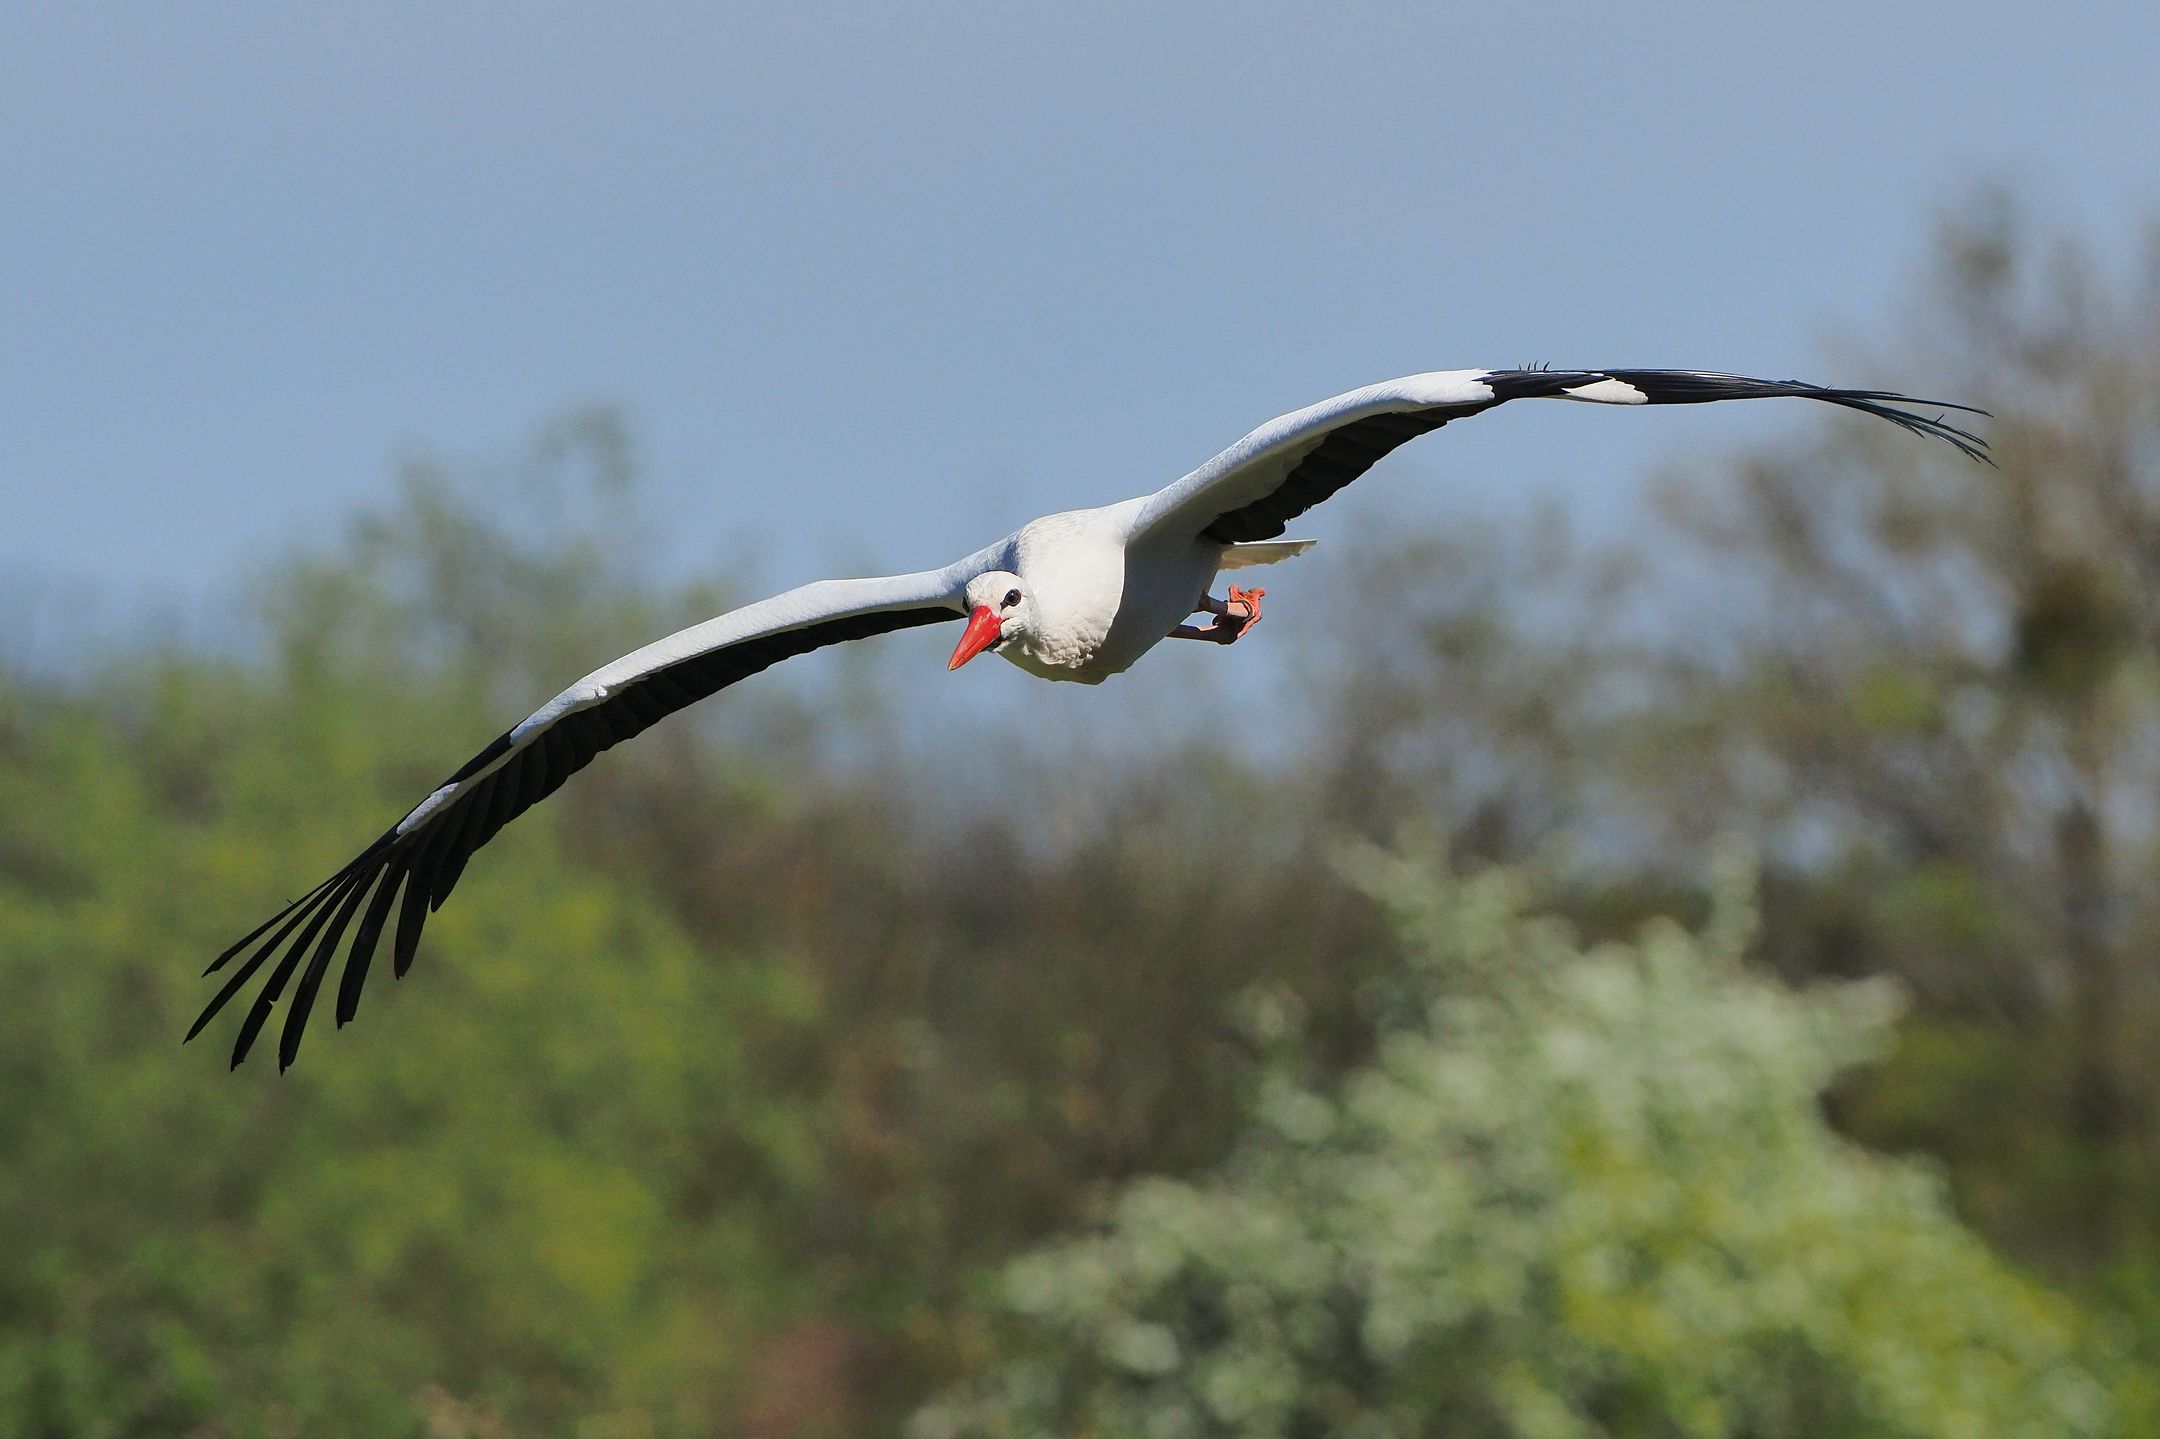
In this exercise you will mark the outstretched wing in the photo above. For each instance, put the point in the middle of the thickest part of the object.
(1288, 465)
(422, 855)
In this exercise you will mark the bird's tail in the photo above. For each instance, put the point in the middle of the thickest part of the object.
(1261, 552)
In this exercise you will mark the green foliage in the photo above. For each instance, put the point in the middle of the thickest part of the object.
(550, 1191)
(1578, 1191)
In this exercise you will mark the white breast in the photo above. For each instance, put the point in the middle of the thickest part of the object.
(1099, 607)
(1074, 565)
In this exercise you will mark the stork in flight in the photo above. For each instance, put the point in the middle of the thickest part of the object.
(1073, 596)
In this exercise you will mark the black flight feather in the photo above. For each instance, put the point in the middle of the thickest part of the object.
(364, 941)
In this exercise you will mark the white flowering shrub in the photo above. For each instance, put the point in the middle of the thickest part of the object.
(1577, 1192)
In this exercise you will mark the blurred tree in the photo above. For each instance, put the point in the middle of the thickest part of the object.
(1472, 710)
(1577, 1192)
(558, 1189)
(1932, 690)
(1929, 692)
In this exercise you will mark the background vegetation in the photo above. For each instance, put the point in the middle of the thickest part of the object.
(720, 1102)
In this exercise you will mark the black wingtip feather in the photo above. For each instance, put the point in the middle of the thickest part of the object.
(232, 986)
(266, 999)
(303, 1000)
(493, 806)
(365, 938)
(252, 935)
(1684, 387)
(458, 833)
(413, 913)
(1696, 387)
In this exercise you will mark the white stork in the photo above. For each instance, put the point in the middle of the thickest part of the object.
(1073, 596)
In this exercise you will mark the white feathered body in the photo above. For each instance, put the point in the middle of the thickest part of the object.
(1103, 597)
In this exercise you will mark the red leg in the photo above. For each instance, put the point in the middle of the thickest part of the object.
(1233, 617)
(1243, 609)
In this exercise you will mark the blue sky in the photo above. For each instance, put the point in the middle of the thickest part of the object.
(876, 283)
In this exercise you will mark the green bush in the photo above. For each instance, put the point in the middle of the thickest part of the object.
(552, 1193)
(1576, 1191)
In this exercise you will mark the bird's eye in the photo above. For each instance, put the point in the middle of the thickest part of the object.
(1012, 597)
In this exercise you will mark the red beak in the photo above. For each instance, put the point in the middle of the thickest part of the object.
(983, 631)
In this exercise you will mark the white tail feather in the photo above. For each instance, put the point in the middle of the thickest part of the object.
(1261, 552)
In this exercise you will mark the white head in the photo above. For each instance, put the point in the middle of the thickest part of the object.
(1000, 612)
